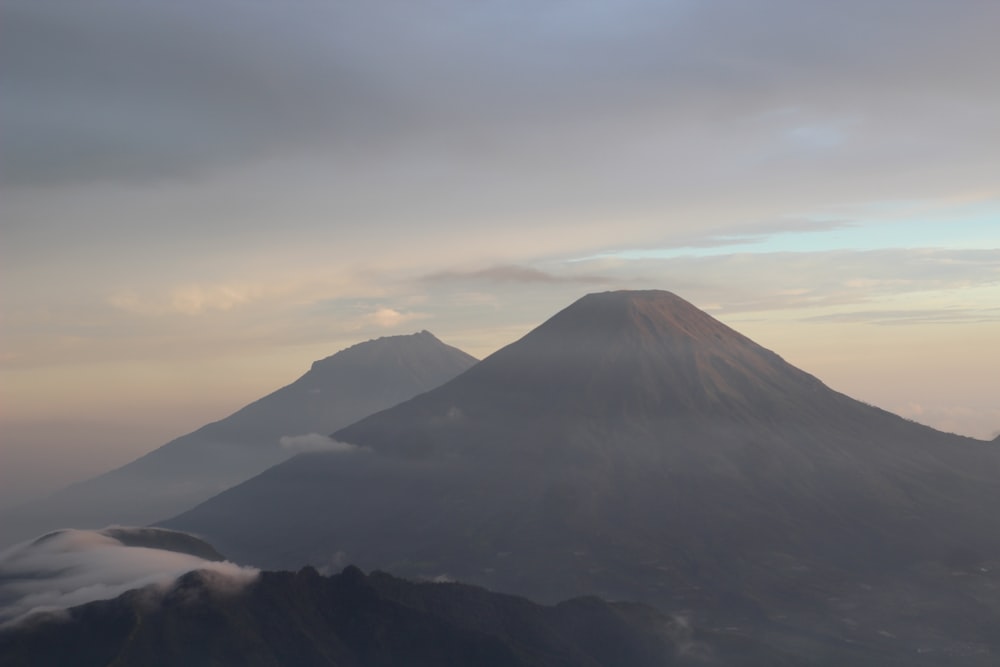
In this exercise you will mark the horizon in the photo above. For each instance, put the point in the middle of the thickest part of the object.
(199, 201)
(22, 473)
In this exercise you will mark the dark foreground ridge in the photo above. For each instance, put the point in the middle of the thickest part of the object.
(347, 620)
(633, 447)
(336, 391)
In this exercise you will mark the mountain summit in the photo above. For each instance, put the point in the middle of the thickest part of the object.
(645, 362)
(336, 391)
(634, 447)
(638, 354)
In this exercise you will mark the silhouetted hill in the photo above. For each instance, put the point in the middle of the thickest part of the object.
(634, 447)
(337, 390)
(159, 538)
(347, 620)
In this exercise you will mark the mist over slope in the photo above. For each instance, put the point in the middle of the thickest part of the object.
(634, 447)
(336, 391)
(72, 567)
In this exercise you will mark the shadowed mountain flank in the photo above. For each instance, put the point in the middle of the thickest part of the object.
(634, 447)
(336, 391)
(166, 540)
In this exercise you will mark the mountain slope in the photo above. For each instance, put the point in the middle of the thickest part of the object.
(347, 620)
(337, 390)
(634, 447)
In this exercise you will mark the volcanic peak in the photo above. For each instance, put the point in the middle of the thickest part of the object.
(642, 353)
(649, 312)
(385, 347)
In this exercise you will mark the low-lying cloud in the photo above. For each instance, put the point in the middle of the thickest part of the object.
(72, 567)
(314, 442)
(390, 317)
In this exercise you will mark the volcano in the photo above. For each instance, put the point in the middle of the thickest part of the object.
(634, 447)
(336, 391)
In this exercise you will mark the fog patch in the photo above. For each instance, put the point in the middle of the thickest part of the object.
(72, 567)
(680, 631)
(335, 564)
(314, 442)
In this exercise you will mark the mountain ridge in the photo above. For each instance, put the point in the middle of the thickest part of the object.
(345, 620)
(633, 447)
(662, 359)
(337, 390)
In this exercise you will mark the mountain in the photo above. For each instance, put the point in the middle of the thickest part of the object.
(634, 447)
(347, 620)
(336, 391)
(159, 538)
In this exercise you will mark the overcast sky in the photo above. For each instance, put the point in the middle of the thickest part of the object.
(200, 198)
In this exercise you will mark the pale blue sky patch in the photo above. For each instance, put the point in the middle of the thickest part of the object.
(818, 137)
(967, 225)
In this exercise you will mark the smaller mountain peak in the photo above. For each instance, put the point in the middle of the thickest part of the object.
(377, 347)
(352, 577)
(423, 334)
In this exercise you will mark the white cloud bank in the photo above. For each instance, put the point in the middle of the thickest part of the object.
(72, 567)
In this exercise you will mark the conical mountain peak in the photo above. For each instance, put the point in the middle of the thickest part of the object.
(655, 312)
(639, 353)
(650, 315)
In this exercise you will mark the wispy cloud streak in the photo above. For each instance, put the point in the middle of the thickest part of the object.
(514, 274)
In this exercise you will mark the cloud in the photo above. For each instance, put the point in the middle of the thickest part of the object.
(756, 232)
(775, 281)
(978, 421)
(72, 567)
(135, 93)
(390, 317)
(723, 236)
(911, 316)
(512, 274)
(140, 91)
(193, 299)
(314, 442)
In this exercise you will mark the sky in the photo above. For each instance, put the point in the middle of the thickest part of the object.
(201, 198)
